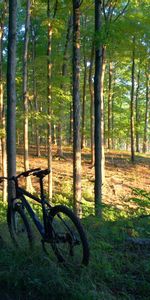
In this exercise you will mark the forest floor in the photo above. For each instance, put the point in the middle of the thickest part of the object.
(118, 269)
(121, 175)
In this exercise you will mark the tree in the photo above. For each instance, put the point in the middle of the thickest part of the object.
(34, 87)
(25, 93)
(76, 109)
(99, 111)
(2, 107)
(110, 106)
(137, 110)
(147, 110)
(84, 92)
(63, 87)
(91, 88)
(132, 102)
(11, 97)
(49, 94)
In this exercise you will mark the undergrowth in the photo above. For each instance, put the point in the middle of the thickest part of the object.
(116, 270)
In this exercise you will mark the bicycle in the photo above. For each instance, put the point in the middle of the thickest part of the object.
(59, 227)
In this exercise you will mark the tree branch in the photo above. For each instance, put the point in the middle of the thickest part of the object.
(55, 9)
(122, 12)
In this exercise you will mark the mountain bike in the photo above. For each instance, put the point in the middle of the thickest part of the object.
(59, 227)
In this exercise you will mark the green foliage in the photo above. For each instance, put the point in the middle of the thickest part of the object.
(142, 199)
(117, 34)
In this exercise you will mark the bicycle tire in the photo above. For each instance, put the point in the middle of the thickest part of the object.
(19, 228)
(58, 223)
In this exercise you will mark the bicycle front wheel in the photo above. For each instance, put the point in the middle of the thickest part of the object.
(19, 227)
(69, 241)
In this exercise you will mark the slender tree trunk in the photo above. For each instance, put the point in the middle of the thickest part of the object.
(64, 73)
(91, 87)
(25, 93)
(76, 110)
(132, 104)
(113, 111)
(37, 136)
(99, 113)
(147, 111)
(11, 98)
(110, 107)
(137, 113)
(54, 134)
(83, 102)
(71, 126)
(59, 140)
(2, 109)
(49, 99)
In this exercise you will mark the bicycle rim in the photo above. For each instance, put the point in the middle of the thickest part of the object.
(69, 241)
(19, 228)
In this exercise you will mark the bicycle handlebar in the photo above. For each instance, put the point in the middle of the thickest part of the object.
(35, 172)
(26, 173)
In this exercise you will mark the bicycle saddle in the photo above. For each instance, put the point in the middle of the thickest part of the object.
(41, 173)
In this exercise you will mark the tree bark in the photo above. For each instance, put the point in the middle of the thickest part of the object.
(37, 136)
(113, 111)
(2, 108)
(110, 107)
(71, 125)
(25, 93)
(49, 100)
(99, 113)
(147, 109)
(76, 110)
(64, 73)
(137, 113)
(83, 102)
(59, 140)
(91, 87)
(132, 104)
(11, 98)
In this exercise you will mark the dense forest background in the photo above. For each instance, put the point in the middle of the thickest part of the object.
(46, 116)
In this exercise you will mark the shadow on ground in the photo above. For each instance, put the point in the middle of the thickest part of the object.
(117, 269)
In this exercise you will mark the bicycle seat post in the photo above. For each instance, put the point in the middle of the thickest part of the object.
(41, 187)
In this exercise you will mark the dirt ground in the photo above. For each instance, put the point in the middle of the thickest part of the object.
(120, 174)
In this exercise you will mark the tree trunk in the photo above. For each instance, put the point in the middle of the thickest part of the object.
(137, 113)
(91, 87)
(33, 31)
(110, 107)
(71, 126)
(2, 109)
(25, 94)
(132, 103)
(83, 102)
(113, 111)
(99, 113)
(76, 110)
(54, 134)
(64, 73)
(11, 98)
(59, 140)
(49, 100)
(145, 140)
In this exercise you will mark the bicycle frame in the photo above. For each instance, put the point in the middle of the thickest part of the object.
(21, 193)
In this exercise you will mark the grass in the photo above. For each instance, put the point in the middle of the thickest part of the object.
(116, 270)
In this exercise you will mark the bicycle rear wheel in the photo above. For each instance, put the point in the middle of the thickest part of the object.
(19, 227)
(69, 241)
